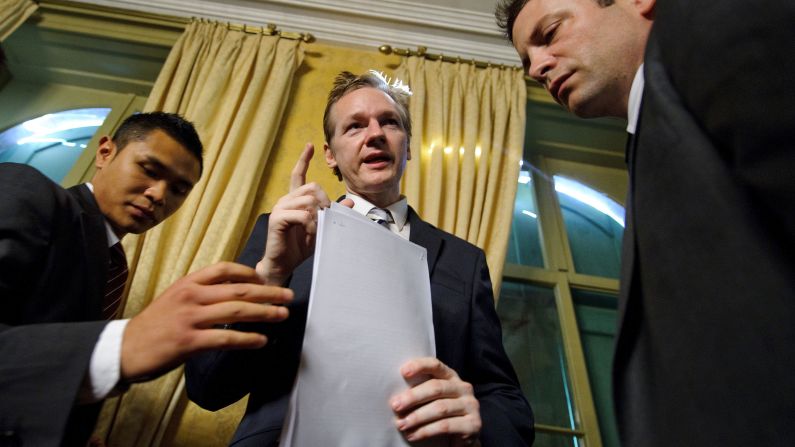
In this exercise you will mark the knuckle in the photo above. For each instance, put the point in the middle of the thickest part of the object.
(468, 388)
(442, 408)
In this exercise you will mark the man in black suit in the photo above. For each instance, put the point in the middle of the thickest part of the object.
(707, 303)
(61, 355)
(473, 393)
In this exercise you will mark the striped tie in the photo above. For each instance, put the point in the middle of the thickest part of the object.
(117, 278)
(380, 216)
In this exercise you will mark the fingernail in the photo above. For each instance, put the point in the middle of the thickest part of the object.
(401, 424)
(395, 404)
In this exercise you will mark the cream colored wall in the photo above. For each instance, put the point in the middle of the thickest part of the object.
(192, 426)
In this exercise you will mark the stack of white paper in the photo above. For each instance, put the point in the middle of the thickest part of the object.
(369, 312)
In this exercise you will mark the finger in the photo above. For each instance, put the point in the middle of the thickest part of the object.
(286, 218)
(304, 202)
(436, 411)
(224, 272)
(210, 339)
(251, 293)
(347, 202)
(427, 366)
(310, 189)
(466, 428)
(429, 391)
(298, 176)
(237, 312)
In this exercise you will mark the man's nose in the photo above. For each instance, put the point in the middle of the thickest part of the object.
(375, 133)
(157, 192)
(542, 63)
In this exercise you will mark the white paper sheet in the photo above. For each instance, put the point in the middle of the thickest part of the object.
(369, 312)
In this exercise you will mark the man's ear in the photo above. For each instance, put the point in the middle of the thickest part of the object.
(105, 153)
(331, 162)
(646, 8)
(408, 150)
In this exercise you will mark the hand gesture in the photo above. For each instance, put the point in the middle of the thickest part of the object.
(442, 405)
(293, 224)
(180, 321)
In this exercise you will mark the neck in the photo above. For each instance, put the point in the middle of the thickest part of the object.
(380, 199)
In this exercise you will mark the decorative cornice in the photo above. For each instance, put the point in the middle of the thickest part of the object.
(362, 23)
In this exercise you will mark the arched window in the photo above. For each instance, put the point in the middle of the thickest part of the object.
(52, 143)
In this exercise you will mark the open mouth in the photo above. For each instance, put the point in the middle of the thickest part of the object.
(377, 159)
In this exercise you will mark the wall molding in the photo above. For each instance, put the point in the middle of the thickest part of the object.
(358, 23)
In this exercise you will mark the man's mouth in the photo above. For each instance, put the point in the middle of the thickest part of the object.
(555, 87)
(143, 213)
(377, 159)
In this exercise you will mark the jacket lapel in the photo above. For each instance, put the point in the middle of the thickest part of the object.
(421, 234)
(95, 245)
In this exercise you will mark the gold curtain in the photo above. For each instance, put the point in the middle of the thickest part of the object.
(12, 14)
(468, 132)
(234, 87)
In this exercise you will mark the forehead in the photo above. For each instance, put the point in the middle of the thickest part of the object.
(363, 101)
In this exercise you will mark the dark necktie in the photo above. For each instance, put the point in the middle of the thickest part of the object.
(380, 216)
(117, 278)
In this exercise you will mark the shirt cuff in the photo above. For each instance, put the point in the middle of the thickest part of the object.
(104, 368)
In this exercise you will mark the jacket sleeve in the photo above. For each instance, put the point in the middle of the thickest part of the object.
(506, 414)
(43, 364)
(220, 378)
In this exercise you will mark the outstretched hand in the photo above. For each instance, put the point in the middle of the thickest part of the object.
(293, 224)
(180, 321)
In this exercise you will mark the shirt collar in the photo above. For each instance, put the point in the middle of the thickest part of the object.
(635, 95)
(399, 209)
(112, 238)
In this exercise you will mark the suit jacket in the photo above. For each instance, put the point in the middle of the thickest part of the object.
(706, 347)
(466, 327)
(53, 262)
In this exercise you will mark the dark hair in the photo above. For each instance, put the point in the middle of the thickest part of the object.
(507, 11)
(347, 82)
(138, 126)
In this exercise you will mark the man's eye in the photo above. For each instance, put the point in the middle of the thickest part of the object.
(550, 32)
(149, 172)
(353, 126)
(179, 190)
(391, 122)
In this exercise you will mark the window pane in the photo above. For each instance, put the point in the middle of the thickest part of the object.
(524, 244)
(52, 143)
(596, 318)
(532, 338)
(594, 225)
(550, 440)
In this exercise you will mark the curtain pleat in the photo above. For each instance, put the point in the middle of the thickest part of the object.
(468, 132)
(12, 14)
(234, 87)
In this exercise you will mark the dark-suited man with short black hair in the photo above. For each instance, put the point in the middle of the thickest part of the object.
(704, 354)
(62, 274)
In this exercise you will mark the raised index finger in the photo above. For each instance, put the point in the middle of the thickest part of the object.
(298, 176)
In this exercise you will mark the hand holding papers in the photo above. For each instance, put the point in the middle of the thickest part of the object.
(369, 313)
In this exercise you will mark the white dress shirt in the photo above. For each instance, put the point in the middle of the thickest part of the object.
(105, 366)
(635, 96)
(399, 211)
